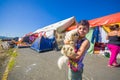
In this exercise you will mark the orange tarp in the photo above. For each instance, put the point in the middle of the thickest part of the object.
(109, 19)
(71, 27)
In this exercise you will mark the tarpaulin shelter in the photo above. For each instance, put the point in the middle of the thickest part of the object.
(102, 24)
(24, 41)
(43, 44)
(58, 27)
(105, 20)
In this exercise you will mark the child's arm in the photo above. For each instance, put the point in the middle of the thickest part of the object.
(84, 46)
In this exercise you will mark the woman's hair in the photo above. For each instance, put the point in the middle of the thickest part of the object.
(84, 23)
(114, 27)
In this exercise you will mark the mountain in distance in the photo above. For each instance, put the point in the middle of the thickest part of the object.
(9, 38)
(4, 37)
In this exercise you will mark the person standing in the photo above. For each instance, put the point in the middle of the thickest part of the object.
(75, 64)
(113, 45)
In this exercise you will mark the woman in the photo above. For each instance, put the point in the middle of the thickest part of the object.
(75, 64)
(114, 45)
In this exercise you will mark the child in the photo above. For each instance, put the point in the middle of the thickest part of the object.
(75, 64)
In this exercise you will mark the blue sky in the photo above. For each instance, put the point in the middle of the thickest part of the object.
(18, 17)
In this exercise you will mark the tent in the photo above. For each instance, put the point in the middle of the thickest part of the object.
(49, 32)
(105, 20)
(109, 19)
(102, 24)
(58, 26)
(43, 44)
(24, 42)
(98, 23)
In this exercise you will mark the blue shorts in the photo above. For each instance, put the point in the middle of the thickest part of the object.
(75, 75)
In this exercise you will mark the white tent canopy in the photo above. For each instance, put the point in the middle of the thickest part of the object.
(59, 26)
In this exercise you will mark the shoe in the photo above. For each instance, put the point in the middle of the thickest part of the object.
(114, 65)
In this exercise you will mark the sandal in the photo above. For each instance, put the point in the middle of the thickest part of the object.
(114, 65)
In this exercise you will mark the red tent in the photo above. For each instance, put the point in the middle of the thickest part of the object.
(109, 19)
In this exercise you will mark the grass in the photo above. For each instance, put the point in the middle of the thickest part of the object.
(13, 54)
(4, 55)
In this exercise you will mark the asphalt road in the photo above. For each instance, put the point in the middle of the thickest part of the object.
(31, 65)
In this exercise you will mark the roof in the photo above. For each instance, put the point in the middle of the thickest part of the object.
(109, 19)
(60, 26)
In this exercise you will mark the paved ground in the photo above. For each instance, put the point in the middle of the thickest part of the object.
(31, 65)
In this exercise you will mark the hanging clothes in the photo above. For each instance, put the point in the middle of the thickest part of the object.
(103, 35)
(96, 35)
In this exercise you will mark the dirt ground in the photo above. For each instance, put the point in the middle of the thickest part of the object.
(31, 65)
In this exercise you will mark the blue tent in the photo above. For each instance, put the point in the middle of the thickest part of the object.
(43, 44)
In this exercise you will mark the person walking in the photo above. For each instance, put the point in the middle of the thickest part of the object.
(113, 45)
